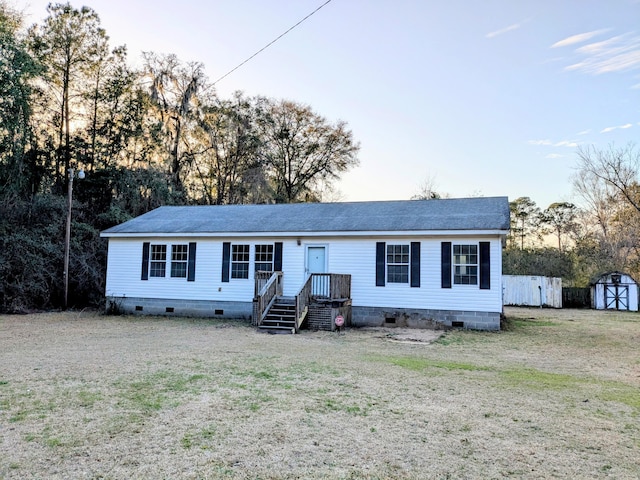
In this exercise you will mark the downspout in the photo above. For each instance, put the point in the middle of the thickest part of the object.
(540, 289)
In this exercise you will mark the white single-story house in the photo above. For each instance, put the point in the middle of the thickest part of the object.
(614, 291)
(409, 263)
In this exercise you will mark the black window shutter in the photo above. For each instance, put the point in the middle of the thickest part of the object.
(277, 257)
(485, 266)
(191, 264)
(380, 263)
(446, 264)
(226, 254)
(415, 264)
(145, 261)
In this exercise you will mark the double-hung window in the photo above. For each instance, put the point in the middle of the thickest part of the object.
(239, 261)
(158, 264)
(465, 264)
(398, 263)
(179, 257)
(264, 258)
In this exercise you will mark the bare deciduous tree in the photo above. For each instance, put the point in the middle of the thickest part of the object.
(301, 150)
(615, 168)
(427, 190)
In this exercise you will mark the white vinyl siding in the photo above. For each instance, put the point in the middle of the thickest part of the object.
(354, 256)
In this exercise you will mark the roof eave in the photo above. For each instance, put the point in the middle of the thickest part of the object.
(370, 233)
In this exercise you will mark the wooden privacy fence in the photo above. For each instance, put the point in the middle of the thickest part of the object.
(575, 297)
(532, 291)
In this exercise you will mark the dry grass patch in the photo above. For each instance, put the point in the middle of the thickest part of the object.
(555, 395)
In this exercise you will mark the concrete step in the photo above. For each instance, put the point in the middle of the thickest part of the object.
(276, 330)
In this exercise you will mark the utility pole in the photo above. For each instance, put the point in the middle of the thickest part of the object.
(67, 239)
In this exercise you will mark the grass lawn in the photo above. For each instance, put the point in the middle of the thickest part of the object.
(554, 395)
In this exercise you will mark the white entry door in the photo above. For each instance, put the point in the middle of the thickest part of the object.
(317, 263)
(317, 259)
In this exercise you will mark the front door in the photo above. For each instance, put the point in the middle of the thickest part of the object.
(317, 263)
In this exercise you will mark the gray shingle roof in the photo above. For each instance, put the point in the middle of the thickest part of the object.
(482, 213)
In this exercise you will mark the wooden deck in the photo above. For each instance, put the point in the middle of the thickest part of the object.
(319, 301)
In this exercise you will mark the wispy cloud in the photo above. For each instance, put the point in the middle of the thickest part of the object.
(615, 54)
(611, 129)
(549, 143)
(585, 132)
(510, 28)
(554, 155)
(566, 143)
(579, 38)
(600, 47)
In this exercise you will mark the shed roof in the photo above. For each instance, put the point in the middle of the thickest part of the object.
(481, 213)
(606, 277)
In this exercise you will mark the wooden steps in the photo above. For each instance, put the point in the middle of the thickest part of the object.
(281, 317)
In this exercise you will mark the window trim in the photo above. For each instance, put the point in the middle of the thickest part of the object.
(238, 273)
(158, 260)
(404, 276)
(270, 252)
(458, 277)
(181, 264)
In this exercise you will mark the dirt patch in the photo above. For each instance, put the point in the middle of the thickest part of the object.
(406, 335)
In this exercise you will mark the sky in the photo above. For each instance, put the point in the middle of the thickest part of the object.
(489, 98)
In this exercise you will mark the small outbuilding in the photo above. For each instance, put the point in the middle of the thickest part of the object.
(614, 291)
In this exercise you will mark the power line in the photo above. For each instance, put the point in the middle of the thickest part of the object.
(270, 43)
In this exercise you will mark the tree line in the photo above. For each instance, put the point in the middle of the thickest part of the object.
(577, 241)
(145, 137)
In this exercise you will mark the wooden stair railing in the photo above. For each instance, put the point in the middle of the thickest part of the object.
(318, 286)
(303, 298)
(268, 286)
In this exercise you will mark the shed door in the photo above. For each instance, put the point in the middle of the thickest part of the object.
(616, 297)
